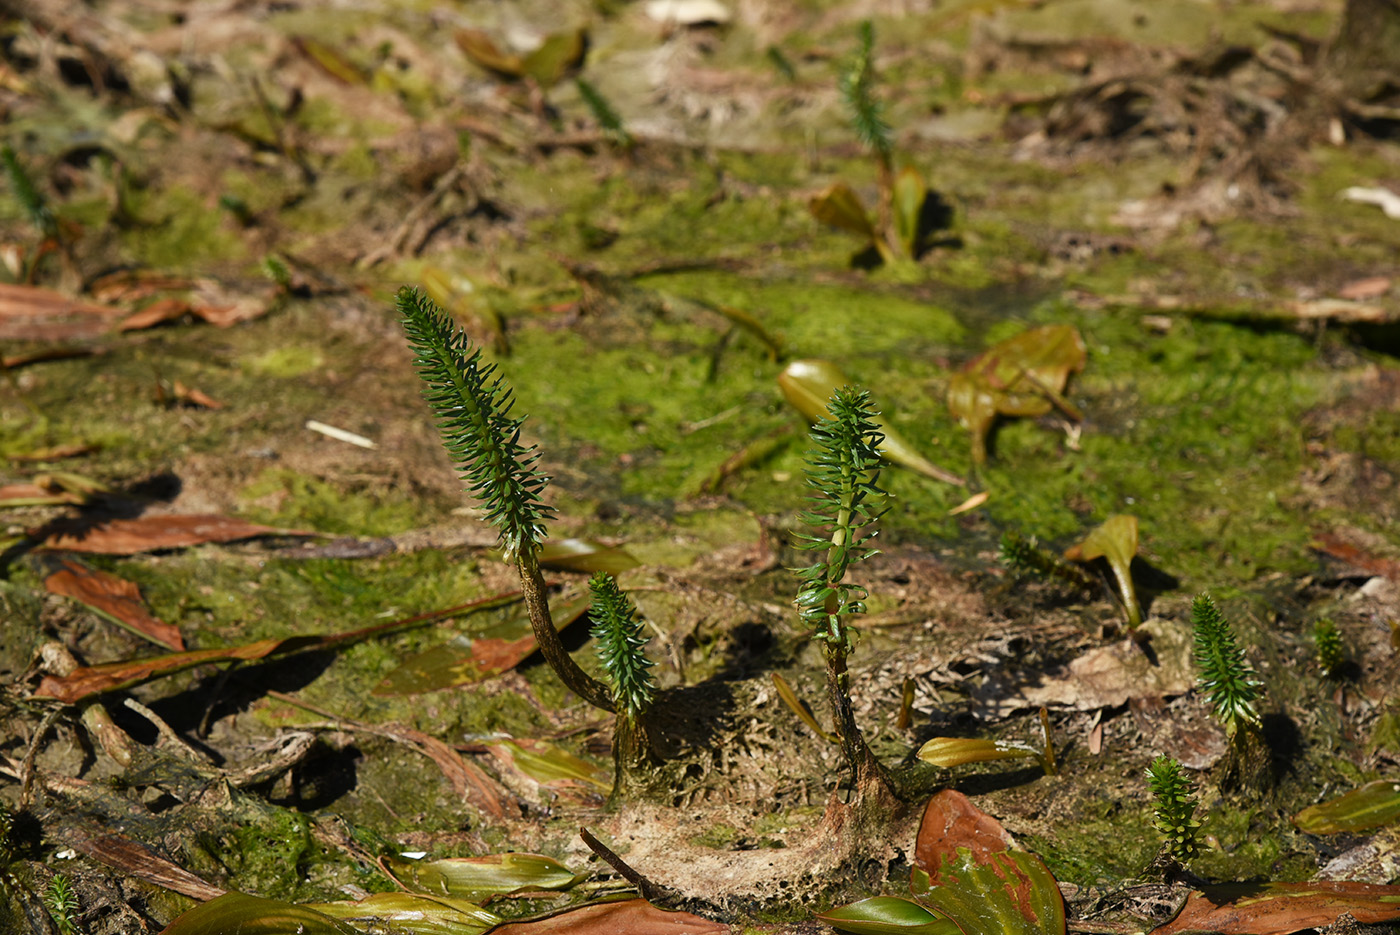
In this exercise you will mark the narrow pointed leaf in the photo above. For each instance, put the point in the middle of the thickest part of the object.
(555, 57)
(252, 915)
(808, 385)
(1116, 541)
(888, 915)
(474, 878)
(114, 599)
(550, 765)
(411, 912)
(910, 192)
(790, 699)
(1374, 804)
(585, 555)
(482, 49)
(1281, 908)
(948, 752)
(839, 206)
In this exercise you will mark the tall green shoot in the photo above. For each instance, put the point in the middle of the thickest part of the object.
(621, 650)
(472, 405)
(842, 477)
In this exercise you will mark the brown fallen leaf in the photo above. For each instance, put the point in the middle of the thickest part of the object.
(194, 397)
(56, 453)
(950, 822)
(224, 308)
(15, 495)
(151, 533)
(1372, 287)
(158, 312)
(29, 313)
(15, 361)
(114, 598)
(86, 681)
(1343, 551)
(631, 917)
(1282, 908)
(138, 861)
(133, 285)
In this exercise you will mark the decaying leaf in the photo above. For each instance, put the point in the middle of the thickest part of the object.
(554, 58)
(153, 533)
(469, 658)
(808, 385)
(475, 878)
(114, 599)
(1282, 908)
(629, 917)
(1116, 542)
(910, 193)
(329, 60)
(411, 912)
(586, 556)
(967, 871)
(549, 765)
(1372, 805)
(1024, 375)
(888, 915)
(29, 313)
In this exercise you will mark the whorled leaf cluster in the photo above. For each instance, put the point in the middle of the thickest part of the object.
(1226, 677)
(1174, 808)
(1331, 653)
(621, 646)
(841, 474)
(473, 406)
(867, 114)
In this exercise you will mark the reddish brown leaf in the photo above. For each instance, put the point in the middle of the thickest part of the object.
(12, 495)
(1372, 287)
(153, 533)
(1344, 551)
(188, 394)
(1281, 908)
(158, 312)
(631, 917)
(28, 313)
(56, 453)
(468, 780)
(135, 285)
(951, 821)
(15, 361)
(114, 598)
(87, 681)
(136, 860)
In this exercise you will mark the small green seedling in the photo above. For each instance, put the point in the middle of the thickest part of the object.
(1116, 542)
(36, 211)
(899, 230)
(1232, 691)
(1331, 653)
(62, 904)
(603, 112)
(473, 406)
(842, 476)
(622, 651)
(1174, 811)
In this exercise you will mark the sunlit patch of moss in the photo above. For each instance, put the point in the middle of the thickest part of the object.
(1252, 847)
(285, 361)
(186, 234)
(285, 498)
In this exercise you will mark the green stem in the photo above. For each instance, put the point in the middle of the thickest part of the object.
(551, 646)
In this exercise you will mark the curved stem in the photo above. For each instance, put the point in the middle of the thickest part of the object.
(551, 646)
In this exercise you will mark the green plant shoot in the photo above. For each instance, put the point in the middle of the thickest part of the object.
(842, 477)
(62, 904)
(473, 406)
(35, 208)
(1331, 653)
(621, 647)
(603, 112)
(1174, 808)
(867, 113)
(1226, 678)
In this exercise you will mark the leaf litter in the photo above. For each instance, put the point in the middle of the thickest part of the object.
(752, 818)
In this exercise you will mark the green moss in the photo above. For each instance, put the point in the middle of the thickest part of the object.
(285, 362)
(189, 235)
(285, 498)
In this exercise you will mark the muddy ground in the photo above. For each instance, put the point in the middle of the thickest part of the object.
(1165, 177)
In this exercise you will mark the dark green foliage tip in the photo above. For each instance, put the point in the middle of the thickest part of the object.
(1175, 807)
(1226, 678)
(842, 473)
(473, 406)
(867, 114)
(27, 195)
(621, 646)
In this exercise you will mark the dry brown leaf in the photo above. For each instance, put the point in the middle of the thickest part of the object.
(158, 312)
(631, 917)
(29, 313)
(1282, 908)
(152, 533)
(950, 822)
(188, 394)
(15, 361)
(114, 598)
(136, 860)
(1343, 551)
(1372, 287)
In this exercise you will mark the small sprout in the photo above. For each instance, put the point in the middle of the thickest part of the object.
(1023, 557)
(1226, 678)
(867, 114)
(62, 904)
(27, 194)
(621, 647)
(1175, 808)
(275, 268)
(603, 112)
(1331, 654)
(778, 60)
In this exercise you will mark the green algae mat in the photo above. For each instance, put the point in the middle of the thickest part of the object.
(1118, 279)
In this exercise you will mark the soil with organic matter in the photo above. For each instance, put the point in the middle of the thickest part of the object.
(207, 212)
